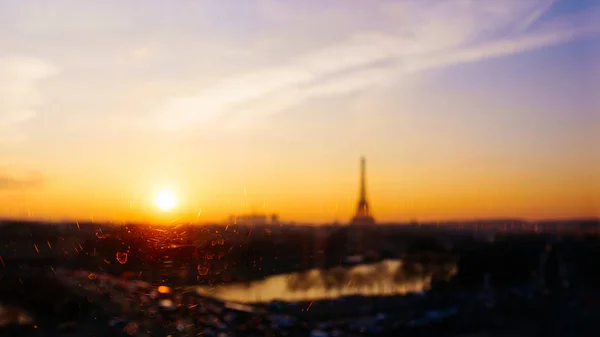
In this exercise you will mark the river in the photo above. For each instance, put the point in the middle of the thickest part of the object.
(383, 278)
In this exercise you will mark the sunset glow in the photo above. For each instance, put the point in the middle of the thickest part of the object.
(165, 201)
(464, 109)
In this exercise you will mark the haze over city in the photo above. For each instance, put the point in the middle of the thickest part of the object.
(202, 109)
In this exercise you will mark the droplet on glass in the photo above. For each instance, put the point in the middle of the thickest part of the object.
(101, 235)
(202, 270)
(131, 328)
(122, 257)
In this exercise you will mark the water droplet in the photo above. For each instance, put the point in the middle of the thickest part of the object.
(122, 257)
(101, 235)
(202, 270)
(131, 328)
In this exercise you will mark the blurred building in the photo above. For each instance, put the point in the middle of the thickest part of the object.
(254, 219)
(363, 214)
(359, 242)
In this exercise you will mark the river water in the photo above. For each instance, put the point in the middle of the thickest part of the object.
(383, 278)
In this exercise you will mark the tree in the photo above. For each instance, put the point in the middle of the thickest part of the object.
(360, 280)
(399, 278)
(380, 275)
(302, 281)
(327, 280)
(339, 278)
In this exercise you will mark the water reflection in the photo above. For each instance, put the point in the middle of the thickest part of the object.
(388, 277)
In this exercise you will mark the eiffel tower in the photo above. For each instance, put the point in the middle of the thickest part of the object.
(362, 215)
(358, 243)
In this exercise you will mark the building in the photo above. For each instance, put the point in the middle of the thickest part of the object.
(363, 213)
(254, 220)
(359, 241)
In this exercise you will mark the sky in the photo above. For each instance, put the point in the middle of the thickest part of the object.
(463, 108)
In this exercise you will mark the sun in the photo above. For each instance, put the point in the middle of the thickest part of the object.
(165, 201)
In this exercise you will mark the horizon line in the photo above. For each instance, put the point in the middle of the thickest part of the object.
(298, 223)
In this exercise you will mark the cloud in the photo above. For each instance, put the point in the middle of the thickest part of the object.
(535, 15)
(432, 34)
(12, 182)
(20, 77)
(502, 47)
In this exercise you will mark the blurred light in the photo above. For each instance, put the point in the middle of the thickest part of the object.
(164, 290)
(166, 303)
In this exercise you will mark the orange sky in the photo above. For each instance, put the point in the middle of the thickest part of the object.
(300, 194)
(462, 109)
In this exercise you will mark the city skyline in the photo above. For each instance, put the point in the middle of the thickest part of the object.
(463, 109)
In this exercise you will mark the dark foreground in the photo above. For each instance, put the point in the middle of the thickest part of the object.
(69, 283)
(80, 303)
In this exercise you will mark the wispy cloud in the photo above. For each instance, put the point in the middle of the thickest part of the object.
(445, 33)
(535, 15)
(19, 79)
